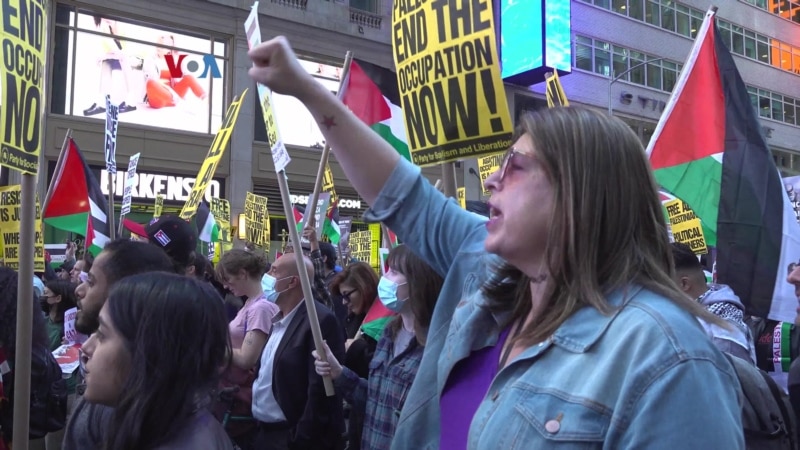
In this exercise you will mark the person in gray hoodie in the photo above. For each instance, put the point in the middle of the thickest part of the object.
(718, 299)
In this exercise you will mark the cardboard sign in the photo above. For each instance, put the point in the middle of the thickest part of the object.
(448, 75)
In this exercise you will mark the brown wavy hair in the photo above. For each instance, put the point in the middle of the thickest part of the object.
(607, 228)
(362, 277)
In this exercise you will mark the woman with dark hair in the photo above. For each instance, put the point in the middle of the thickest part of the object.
(357, 284)
(559, 324)
(147, 362)
(40, 376)
(58, 297)
(409, 288)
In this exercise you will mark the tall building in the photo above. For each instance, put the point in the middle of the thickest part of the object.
(174, 67)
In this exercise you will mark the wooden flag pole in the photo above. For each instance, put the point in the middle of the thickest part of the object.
(25, 301)
(323, 160)
(59, 164)
(305, 282)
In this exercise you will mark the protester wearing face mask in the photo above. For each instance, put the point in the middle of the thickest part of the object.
(409, 288)
(241, 271)
(289, 400)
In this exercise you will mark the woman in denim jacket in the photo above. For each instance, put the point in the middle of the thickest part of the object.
(558, 325)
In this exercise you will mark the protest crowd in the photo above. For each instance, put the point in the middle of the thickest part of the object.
(566, 317)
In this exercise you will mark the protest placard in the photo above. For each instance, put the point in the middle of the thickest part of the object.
(221, 209)
(10, 226)
(686, 226)
(256, 218)
(448, 74)
(488, 165)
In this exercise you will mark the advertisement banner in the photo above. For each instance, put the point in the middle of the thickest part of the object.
(448, 74)
(24, 24)
(792, 185)
(159, 77)
(213, 157)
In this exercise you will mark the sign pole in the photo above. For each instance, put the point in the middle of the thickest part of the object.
(111, 229)
(323, 161)
(305, 282)
(22, 363)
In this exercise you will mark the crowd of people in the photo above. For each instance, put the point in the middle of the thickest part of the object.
(565, 320)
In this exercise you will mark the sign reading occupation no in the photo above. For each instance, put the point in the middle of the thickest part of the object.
(448, 73)
(22, 74)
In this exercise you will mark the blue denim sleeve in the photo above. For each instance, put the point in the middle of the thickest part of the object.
(433, 225)
(693, 404)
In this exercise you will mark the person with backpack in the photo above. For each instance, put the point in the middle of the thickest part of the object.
(48, 402)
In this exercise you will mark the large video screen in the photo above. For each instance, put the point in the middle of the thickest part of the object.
(534, 38)
(158, 76)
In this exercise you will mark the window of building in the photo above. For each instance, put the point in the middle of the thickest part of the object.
(372, 6)
(296, 125)
(686, 21)
(160, 76)
(630, 65)
(772, 105)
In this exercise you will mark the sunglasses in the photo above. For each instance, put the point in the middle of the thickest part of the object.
(507, 159)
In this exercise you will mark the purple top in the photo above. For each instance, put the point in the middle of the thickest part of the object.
(467, 385)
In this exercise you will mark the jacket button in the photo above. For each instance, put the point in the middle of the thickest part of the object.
(552, 426)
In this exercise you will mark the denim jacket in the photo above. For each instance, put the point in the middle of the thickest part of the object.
(644, 377)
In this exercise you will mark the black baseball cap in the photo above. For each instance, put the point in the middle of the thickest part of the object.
(176, 236)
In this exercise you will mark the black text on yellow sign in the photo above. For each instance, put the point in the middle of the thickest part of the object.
(488, 165)
(361, 246)
(10, 201)
(448, 73)
(327, 184)
(22, 73)
(686, 226)
(256, 216)
(221, 209)
(213, 157)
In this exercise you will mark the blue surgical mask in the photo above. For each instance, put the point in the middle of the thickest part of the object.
(268, 283)
(387, 293)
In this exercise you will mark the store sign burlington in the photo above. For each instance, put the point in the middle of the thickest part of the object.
(147, 186)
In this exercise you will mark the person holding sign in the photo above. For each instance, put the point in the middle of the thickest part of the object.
(558, 323)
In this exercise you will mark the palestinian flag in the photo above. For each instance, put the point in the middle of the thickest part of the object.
(708, 150)
(330, 228)
(372, 94)
(207, 227)
(75, 202)
(376, 319)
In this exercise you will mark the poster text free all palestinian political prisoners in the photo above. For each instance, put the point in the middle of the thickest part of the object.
(448, 74)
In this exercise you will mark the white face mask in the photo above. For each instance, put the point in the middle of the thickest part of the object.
(268, 283)
(387, 293)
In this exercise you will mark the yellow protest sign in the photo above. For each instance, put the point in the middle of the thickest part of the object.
(448, 74)
(221, 209)
(686, 226)
(327, 185)
(256, 220)
(488, 165)
(213, 157)
(361, 245)
(22, 73)
(159, 206)
(461, 193)
(555, 92)
(375, 245)
(9, 228)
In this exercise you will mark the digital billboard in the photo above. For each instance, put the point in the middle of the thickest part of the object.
(158, 76)
(534, 39)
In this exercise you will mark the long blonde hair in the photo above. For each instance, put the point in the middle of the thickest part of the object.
(607, 228)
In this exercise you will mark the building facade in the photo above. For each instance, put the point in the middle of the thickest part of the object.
(136, 50)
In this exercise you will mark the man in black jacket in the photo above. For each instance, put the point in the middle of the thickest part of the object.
(289, 399)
